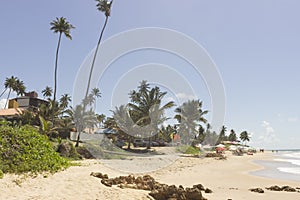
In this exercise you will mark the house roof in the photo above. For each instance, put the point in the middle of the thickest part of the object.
(11, 112)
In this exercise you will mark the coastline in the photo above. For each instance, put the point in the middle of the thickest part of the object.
(228, 179)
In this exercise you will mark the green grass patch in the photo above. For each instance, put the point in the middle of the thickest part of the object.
(187, 149)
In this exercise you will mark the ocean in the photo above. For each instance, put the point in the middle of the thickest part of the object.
(285, 166)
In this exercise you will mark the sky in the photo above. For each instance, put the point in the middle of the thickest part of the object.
(254, 45)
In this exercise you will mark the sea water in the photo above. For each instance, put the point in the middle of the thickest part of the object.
(293, 158)
(285, 166)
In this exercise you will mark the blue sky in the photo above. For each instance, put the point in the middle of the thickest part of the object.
(255, 45)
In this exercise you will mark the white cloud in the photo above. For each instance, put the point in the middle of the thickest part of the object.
(268, 137)
(184, 96)
(2, 103)
(292, 119)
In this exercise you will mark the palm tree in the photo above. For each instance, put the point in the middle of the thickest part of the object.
(10, 83)
(232, 136)
(244, 136)
(100, 119)
(96, 93)
(20, 87)
(61, 26)
(222, 136)
(47, 92)
(65, 100)
(124, 124)
(190, 114)
(146, 109)
(102, 6)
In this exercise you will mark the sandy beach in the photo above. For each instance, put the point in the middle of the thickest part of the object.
(228, 179)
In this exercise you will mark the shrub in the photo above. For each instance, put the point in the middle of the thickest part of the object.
(23, 149)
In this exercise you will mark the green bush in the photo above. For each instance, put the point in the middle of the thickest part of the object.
(23, 149)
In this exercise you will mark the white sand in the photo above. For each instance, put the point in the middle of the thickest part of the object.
(229, 179)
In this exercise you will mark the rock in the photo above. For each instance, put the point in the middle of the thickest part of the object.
(258, 190)
(288, 189)
(199, 186)
(193, 194)
(207, 190)
(99, 175)
(107, 182)
(67, 149)
(158, 191)
(274, 188)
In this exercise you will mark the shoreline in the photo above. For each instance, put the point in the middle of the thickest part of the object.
(228, 179)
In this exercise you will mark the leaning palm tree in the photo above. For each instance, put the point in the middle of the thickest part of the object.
(10, 83)
(61, 26)
(102, 6)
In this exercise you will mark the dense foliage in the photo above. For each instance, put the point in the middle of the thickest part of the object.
(24, 149)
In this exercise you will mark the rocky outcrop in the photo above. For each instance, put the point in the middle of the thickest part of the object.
(158, 190)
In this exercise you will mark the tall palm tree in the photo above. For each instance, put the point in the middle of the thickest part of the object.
(47, 92)
(190, 114)
(61, 26)
(102, 6)
(10, 83)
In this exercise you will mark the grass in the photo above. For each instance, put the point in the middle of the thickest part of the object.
(187, 149)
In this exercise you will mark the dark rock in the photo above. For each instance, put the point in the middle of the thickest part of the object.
(274, 188)
(107, 182)
(207, 190)
(193, 194)
(199, 186)
(99, 175)
(258, 190)
(288, 189)
(67, 149)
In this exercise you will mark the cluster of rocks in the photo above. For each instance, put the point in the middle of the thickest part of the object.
(158, 190)
(215, 155)
(283, 188)
(276, 188)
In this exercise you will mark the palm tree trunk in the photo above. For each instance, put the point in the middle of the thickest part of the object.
(7, 98)
(3, 92)
(91, 72)
(55, 77)
(95, 55)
